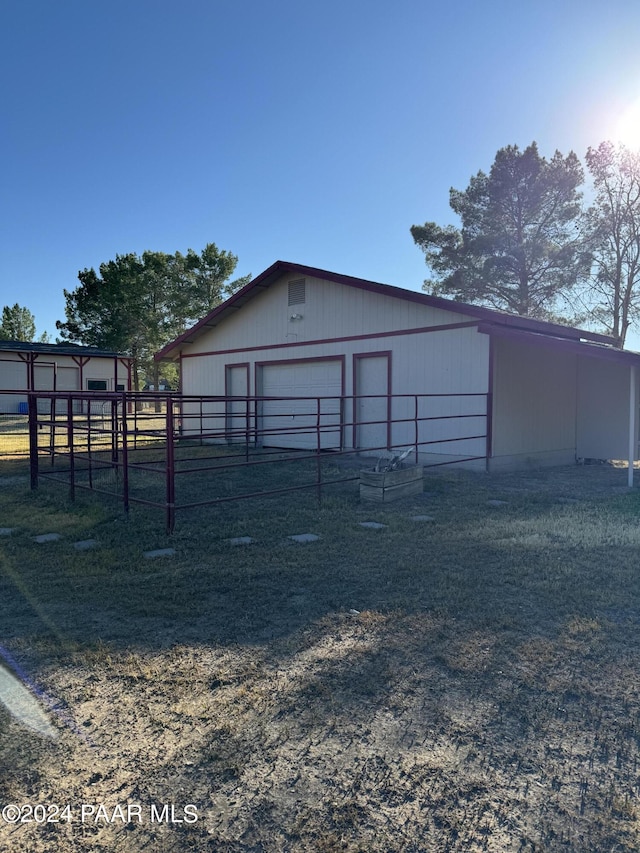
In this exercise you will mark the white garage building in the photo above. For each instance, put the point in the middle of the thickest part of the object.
(494, 389)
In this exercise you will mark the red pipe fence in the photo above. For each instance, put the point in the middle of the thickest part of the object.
(106, 441)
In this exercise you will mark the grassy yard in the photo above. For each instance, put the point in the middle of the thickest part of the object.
(14, 431)
(468, 683)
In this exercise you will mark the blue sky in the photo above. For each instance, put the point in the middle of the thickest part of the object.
(310, 132)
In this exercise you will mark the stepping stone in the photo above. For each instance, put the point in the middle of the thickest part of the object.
(240, 540)
(6, 531)
(372, 525)
(304, 537)
(497, 503)
(422, 518)
(47, 537)
(160, 552)
(85, 544)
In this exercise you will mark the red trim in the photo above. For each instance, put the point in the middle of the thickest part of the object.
(372, 336)
(275, 271)
(81, 361)
(356, 358)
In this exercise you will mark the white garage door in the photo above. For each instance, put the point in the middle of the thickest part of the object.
(292, 422)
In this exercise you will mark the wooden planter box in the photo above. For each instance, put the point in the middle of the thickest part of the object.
(387, 486)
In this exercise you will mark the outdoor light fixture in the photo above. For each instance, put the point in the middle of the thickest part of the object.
(295, 317)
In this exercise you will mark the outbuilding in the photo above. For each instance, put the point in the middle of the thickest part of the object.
(383, 366)
(57, 367)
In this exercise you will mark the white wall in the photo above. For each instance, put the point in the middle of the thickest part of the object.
(451, 361)
(534, 405)
(14, 374)
(603, 409)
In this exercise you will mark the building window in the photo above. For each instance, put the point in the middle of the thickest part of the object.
(297, 292)
(97, 385)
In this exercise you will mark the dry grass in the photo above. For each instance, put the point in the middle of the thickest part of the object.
(465, 684)
(52, 434)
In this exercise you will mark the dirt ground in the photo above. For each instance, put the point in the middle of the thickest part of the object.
(473, 714)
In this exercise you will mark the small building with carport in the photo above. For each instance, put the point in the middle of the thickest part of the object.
(496, 390)
(26, 366)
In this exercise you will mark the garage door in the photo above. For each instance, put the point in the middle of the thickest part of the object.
(291, 421)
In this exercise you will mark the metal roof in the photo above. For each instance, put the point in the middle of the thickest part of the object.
(590, 349)
(57, 349)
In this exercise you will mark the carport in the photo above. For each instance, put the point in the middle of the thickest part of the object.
(568, 399)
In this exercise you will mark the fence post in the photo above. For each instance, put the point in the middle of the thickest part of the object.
(134, 406)
(88, 440)
(415, 425)
(171, 474)
(489, 429)
(318, 442)
(52, 431)
(72, 460)
(32, 406)
(125, 456)
(247, 415)
(114, 434)
(69, 414)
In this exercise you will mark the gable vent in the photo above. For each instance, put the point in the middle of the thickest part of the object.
(297, 292)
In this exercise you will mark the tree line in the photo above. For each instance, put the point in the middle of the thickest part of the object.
(136, 304)
(529, 245)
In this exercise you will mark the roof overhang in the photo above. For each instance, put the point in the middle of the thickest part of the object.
(59, 349)
(588, 348)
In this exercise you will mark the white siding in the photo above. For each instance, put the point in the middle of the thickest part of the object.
(447, 362)
(103, 369)
(330, 311)
(603, 409)
(14, 374)
(549, 404)
(534, 413)
(68, 378)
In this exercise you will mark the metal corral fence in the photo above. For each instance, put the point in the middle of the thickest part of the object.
(94, 419)
(178, 452)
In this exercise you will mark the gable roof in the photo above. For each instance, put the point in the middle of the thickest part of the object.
(275, 271)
